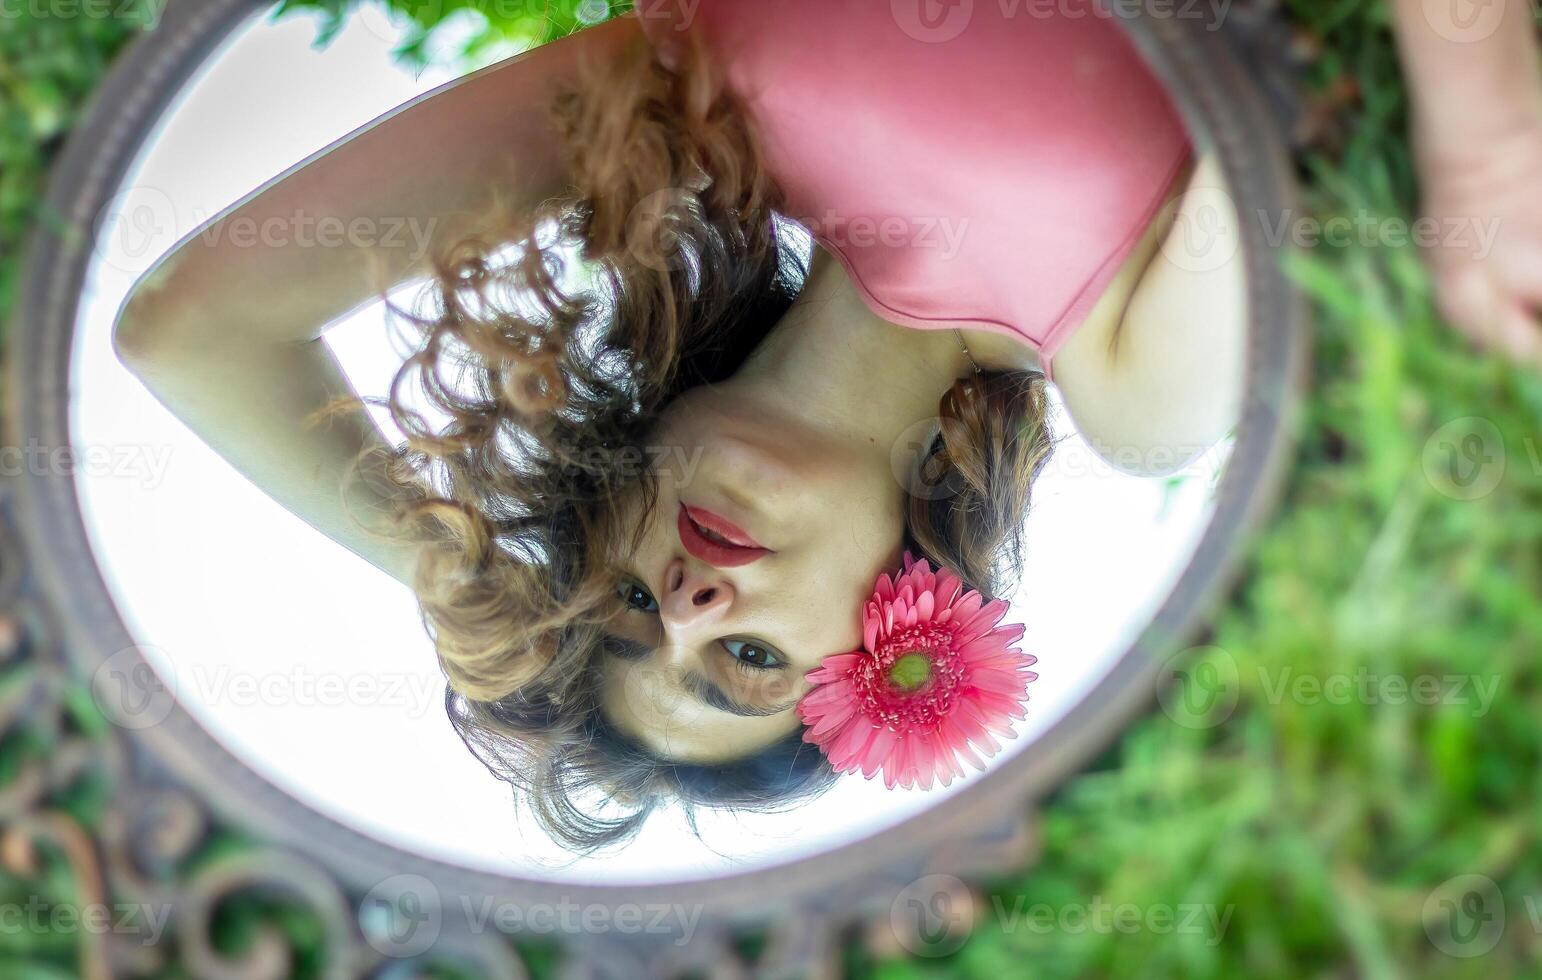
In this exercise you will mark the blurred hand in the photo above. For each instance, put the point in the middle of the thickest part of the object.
(1487, 266)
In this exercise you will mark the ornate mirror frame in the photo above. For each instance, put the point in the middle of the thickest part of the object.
(173, 787)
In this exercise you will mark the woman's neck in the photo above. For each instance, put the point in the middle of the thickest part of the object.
(847, 369)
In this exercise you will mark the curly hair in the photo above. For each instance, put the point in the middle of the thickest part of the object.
(664, 266)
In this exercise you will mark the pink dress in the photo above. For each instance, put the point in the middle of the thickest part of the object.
(976, 164)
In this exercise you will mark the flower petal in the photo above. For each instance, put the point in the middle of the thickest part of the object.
(878, 751)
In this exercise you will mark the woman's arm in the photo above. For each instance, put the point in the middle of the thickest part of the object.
(1158, 375)
(1153, 377)
(226, 332)
(1475, 81)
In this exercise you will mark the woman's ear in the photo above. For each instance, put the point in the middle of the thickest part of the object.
(994, 441)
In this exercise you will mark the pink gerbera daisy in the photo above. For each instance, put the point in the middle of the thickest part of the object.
(934, 678)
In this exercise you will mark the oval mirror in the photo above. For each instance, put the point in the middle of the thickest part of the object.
(720, 440)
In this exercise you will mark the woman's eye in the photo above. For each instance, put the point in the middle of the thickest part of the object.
(752, 654)
(637, 597)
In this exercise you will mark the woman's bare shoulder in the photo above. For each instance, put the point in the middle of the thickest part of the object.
(1154, 376)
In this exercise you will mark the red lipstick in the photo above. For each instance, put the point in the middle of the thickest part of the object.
(716, 541)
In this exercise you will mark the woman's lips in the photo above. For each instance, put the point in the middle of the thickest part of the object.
(716, 541)
(721, 527)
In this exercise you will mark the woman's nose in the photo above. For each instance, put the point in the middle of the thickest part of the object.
(693, 597)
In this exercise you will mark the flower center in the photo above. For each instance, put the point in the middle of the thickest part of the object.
(912, 680)
(910, 671)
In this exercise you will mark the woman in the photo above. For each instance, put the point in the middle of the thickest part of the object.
(663, 495)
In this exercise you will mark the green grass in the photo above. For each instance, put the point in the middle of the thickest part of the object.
(1322, 832)
(1327, 826)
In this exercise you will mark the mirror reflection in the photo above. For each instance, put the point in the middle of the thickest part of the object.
(686, 446)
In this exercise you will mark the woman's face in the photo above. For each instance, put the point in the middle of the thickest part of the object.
(766, 538)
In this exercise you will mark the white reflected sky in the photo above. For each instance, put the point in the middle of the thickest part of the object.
(313, 666)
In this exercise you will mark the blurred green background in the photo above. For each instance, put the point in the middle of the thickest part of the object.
(1314, 838)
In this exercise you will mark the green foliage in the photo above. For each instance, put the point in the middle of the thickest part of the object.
(492, 28)
(1318, 832)
(49, 64)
